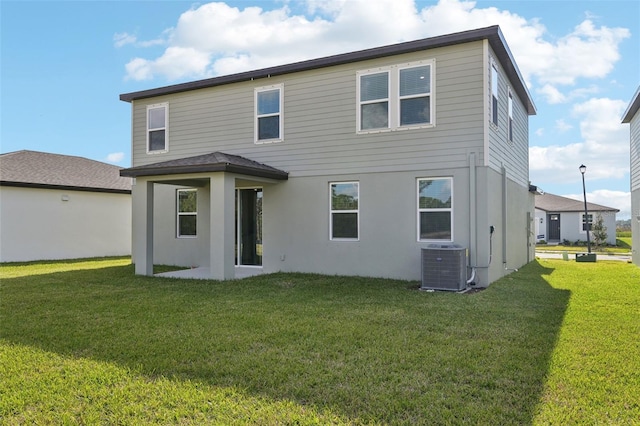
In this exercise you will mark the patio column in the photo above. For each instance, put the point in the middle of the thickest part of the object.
(143, 227)
(222, 226)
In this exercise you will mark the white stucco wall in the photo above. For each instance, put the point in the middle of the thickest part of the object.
(38, 224)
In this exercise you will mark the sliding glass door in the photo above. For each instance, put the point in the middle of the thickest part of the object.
(249, 227)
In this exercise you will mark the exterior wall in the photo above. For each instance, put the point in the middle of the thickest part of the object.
(36, 224)
(319, 112)
(513, 155)
(635, 226)
(296, 225)
(635, 187)
(571, 226)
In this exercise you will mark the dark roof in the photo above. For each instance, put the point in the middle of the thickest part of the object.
(44, 170)
(633, 107)
(555, 203)
(492, 34)
(214, 162)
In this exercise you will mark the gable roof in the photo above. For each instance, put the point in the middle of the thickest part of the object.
(555, 203)
(35, 169)
(633, 107)
(492, 34)
(213, 162)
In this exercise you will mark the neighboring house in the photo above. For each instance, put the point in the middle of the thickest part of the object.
(348, 164)
(561, 219)
(632, 117)
(62, 207)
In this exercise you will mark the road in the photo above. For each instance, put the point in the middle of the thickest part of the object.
(572, 256)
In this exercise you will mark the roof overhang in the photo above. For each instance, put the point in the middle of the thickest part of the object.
(633, 107)
(492, 34)
(207, 163)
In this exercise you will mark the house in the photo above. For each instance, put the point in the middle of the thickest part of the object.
(632, 117)
(62, 207)
(561, 219)
(349, 164)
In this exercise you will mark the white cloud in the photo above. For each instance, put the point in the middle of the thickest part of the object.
(604, 146)
(563, 126)
(617, 199)
(121, 39)
(115, 157)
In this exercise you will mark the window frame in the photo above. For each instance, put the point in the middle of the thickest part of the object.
(332, 211)
(179, 214)
(165, 128)
(495, 94)
(394, 99)
(420, 210)
(279, 114)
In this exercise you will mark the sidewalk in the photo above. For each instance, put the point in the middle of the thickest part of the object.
(623, 257)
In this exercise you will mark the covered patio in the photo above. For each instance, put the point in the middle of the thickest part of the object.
(214, 252)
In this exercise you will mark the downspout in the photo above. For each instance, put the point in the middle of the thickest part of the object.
(473, 231)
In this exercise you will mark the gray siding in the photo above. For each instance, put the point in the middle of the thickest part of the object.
(513, 155)
(320, 120)
(635, 152)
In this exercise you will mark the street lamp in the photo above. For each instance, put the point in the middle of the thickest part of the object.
(583, 169)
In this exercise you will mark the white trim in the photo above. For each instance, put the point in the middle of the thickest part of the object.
(331, 211)
(280, 113)
(179, 213)
(423, 210)
(393, 98)
(164, 105)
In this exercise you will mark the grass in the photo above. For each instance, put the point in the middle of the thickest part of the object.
(88, 342)
(621, 247)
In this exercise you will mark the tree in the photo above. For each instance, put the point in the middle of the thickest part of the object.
(599, 231)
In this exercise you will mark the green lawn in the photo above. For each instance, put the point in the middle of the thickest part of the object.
(87, 342)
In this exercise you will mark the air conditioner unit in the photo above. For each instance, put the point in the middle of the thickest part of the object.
(444, 267)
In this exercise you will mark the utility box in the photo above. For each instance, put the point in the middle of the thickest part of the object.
(444, 267)
(585, 257)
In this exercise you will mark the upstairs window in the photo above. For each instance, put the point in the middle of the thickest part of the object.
(157, 118)
(395, 97)
(374, 101)
(187, 216)
(510, 129)
(344, 211)
(415, 99)
(268, 125)
(494, 94)
(435, 209)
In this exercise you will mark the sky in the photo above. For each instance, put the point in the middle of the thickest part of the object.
(64, 64)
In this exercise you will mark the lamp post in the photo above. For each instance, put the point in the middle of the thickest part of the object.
(583, 169)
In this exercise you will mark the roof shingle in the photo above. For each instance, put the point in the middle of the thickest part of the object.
(44, 170)
(555, 203)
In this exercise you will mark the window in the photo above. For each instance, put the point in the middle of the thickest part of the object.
(187, 212)
(268, 114)
(157, 140)
(435, 219)
(415, 90)
(344, 217)
(510, 130)
(494, 94)
(584, 224)
(374, 101)
(395, 97)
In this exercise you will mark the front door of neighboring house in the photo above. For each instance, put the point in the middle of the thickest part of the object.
(249, 227)
(554, 227)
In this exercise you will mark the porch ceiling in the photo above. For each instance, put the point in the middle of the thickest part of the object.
(213, 162)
